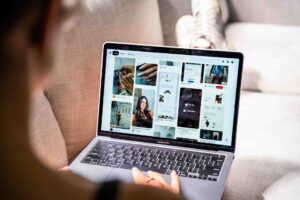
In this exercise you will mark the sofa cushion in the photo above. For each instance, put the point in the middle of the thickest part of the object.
(45, 136)
(74, 90)
(251, 177)
(266, 11)
(267, 144)
(286, 187)
(272, 56)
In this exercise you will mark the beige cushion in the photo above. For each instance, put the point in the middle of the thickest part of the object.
(272, 56)
(266, 11)
(74, 90)
(250, 177)
(267, 144)
(286, 187)
(45, 136)
(269, 126)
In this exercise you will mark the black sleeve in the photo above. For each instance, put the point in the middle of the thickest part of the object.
(108, 191)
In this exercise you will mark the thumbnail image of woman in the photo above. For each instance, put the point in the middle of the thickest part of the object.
(143, 117)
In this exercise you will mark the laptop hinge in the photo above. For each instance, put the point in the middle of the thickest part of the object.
(226, 152)
(104, 137)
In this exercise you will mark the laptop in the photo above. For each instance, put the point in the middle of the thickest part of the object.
(162, 109)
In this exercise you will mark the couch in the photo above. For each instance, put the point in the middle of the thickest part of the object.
(267, 163)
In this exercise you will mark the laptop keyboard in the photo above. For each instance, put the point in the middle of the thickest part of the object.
(189, 164)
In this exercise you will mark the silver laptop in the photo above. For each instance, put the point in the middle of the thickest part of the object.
(164, 109)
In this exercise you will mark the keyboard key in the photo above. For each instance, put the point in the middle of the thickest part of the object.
(171, 162)
(212, 179)
(215, 173)
(212, 169)
(86, 160)
(94, 156)
(202, 177)
(164, 167)
(189, 160)
(176, 168)
(144, 158)
(218, 164)
(115, 165)
(127, 157)
(128, 162)
(144, 169)
(188, 164)
(173, 158)
(118, 156)
(126, 166)
(95, 162)
(192, 176)
(152, 150)
(193, 170)
(154, 160)
(104, 163)
(180, 159)
(162, 156)
(119, 160)
(146, 164)
(159, 170)
(183, 174)
(111, 159)
(183, 169)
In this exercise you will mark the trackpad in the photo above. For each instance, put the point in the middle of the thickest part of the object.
(123, 175)
(93, 173)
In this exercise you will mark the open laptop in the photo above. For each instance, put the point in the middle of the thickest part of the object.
(163, 109)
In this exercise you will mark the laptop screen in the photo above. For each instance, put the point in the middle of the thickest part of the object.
(171, 96)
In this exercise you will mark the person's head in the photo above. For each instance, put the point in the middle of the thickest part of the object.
(28, 33)
(142, 104)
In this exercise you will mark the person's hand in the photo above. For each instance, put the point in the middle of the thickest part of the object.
(127, 69)
(65, 169)
(126, 78)
(127, 81)
(156, 180)
(148, 71)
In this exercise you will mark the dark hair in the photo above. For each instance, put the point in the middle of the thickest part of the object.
(138, 113)
(138, 105)
(13, 10)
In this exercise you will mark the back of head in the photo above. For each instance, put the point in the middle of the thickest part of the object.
(12, 11)
(28, 31)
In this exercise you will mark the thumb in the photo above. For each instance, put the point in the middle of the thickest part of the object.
(175, 182)
(138, 177)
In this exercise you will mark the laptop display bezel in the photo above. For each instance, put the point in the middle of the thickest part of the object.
(170, 50)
